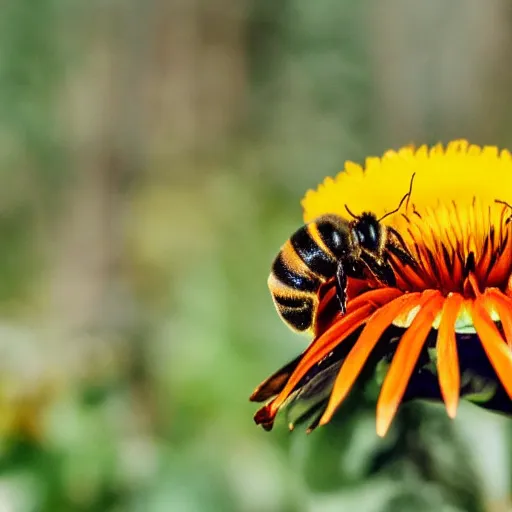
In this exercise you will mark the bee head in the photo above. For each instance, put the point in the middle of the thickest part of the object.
(369, 232)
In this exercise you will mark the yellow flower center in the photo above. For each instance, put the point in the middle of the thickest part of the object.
(455, 224)
(451, 242)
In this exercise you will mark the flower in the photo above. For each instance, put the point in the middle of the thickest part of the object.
(445, 330)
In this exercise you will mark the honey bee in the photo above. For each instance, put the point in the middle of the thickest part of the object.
(333, 247)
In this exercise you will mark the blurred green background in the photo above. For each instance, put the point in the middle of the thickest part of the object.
(152, 159)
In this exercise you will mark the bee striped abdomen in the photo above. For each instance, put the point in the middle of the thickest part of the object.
(296, 311)
(306, 244)
(299, 270)
(291, 277)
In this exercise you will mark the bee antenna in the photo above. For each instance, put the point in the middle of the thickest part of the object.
(350, 213)
(406, 196)
(499, 201)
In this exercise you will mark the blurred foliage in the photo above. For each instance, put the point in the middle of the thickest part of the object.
(152, 158)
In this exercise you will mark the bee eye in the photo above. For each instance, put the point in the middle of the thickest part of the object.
(368, 236)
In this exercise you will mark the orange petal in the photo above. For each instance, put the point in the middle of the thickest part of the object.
(497, 350)
(444, 270)
(407, 277)
(447, 358)
(329, 294)
(457, 269)
(501, 269)
(473, 284)
(376, 297)
(405, 359)
(272, 385)
(320, 348)
(357, 357)
(482, 267)
(503, 306)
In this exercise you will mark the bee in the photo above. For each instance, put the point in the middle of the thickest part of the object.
(333, 247)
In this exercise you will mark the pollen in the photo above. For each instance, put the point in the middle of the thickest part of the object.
(456, 226)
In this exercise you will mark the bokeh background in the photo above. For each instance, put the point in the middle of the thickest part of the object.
(152, 158)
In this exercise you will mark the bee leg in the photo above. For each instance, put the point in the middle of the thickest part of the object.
(404, 256)
(399, 241)
(341, 287)
(380, 269)
(399, 248)
(350, 267)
